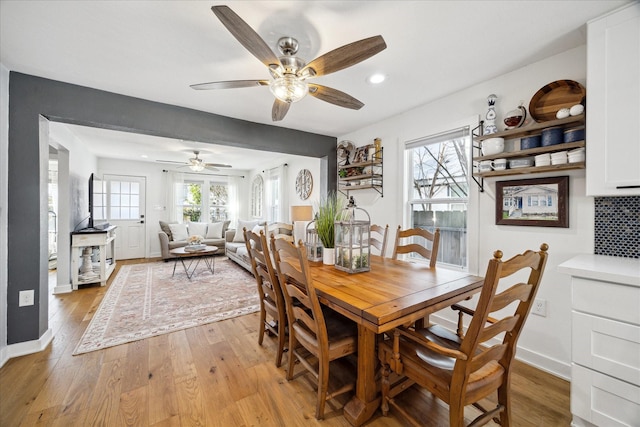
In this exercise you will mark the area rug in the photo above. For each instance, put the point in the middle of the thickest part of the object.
(144, 300)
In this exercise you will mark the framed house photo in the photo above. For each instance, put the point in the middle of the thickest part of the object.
(539, 202)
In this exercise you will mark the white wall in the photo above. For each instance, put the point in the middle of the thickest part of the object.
(295, 165)
(4, 189)
(545, 341)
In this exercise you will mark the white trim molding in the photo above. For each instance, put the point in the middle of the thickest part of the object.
(24, 348)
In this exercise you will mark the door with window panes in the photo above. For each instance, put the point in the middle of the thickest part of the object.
(123, 205)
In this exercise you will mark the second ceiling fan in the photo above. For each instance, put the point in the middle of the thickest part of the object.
(290, 73)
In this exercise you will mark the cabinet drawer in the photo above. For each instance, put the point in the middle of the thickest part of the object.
(602, 400)
(612, 300)
(607, 346)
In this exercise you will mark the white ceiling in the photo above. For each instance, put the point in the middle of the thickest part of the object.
(156, 49)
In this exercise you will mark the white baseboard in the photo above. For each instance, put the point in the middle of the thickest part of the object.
(24, 348)
(62, 289)
(530, 357)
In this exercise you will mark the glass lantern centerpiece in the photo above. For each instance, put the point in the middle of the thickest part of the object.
(312, 243)
(352, 241)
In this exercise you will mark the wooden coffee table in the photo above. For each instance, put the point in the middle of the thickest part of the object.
(205, 254)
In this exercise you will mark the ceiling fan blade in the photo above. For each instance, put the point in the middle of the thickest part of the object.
(279, 110)
(246, 35)
(334, 96)
(232, 84)
(346, 56)
(170, 161)
(212, 169)
(218, 165)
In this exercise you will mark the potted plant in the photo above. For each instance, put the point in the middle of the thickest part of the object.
(329, 209)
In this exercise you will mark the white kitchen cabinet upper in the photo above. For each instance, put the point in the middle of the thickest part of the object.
(613, 103)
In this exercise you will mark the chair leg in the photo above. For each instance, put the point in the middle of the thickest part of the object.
(503, 399)
(282, 327)
(385, 389)
(456, 413)
(292, 355)
(263, 319)
(323, 386)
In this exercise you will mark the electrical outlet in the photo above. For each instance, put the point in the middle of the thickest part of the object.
(26, 298)
(539, 307)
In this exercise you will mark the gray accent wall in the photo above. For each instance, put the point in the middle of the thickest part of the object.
(31, 98)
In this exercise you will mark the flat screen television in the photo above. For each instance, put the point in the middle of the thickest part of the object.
(90, 224)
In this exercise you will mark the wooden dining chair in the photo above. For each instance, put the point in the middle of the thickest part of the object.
(463, 370)
(281, 230)
(316, 336)
(273, 311)
(413, 234)
(378, 237)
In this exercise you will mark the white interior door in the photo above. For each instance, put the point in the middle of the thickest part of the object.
(126, 210)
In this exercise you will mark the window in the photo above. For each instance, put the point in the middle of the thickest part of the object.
(199, 206)
(125, 200)
(439, 190)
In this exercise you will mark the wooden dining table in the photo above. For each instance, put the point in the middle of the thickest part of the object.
(391, 294)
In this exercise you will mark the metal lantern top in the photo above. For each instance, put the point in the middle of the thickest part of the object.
(352, 244)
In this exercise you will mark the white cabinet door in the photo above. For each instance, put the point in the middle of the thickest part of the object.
(613, 103)
(602, 400)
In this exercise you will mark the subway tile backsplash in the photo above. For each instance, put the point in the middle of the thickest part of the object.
(617, 226)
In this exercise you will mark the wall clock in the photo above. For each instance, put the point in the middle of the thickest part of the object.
(304, 184)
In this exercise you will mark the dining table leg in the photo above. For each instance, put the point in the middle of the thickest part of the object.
(367, 399)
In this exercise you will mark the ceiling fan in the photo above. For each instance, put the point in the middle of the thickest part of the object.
(290, 73)
(197, 164)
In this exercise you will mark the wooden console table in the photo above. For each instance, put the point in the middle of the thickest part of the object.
(81, 243)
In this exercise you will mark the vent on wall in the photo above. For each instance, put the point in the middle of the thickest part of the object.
(617, 226)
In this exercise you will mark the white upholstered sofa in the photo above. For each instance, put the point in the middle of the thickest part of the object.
(174, 235)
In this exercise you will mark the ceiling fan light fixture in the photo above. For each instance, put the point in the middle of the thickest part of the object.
(196, 166)
(289, 88)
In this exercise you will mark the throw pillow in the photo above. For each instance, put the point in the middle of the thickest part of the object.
(214, 230)
(164, 226)
(179, 231)
(239, 236)
(197, 228)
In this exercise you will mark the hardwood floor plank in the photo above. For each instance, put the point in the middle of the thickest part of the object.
(163, 402)
(136, 365)
(53, 391)
(133, 408)
(105, 402)
(231, 371)
(181, 358)
(190, 402)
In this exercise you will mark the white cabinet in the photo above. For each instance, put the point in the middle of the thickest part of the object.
(83, 268)
(613, 103)
(605, 340)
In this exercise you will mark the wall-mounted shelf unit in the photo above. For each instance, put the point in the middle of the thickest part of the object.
(362, 175)
(533, 129)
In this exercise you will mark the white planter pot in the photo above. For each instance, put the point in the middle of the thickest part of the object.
(328, 256)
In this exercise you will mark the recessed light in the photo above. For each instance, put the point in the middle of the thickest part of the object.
(144, 156)
(376, 79)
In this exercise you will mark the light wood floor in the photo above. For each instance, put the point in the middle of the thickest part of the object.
(212, 375)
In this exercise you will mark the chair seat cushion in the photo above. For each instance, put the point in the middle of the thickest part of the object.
(423, 364)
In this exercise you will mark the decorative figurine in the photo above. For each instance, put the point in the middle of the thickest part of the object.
(490, 122)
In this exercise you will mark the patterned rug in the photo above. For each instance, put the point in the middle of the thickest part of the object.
(144, 301)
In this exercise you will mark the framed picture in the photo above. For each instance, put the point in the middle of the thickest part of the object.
(540, 202)
(360, 155)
